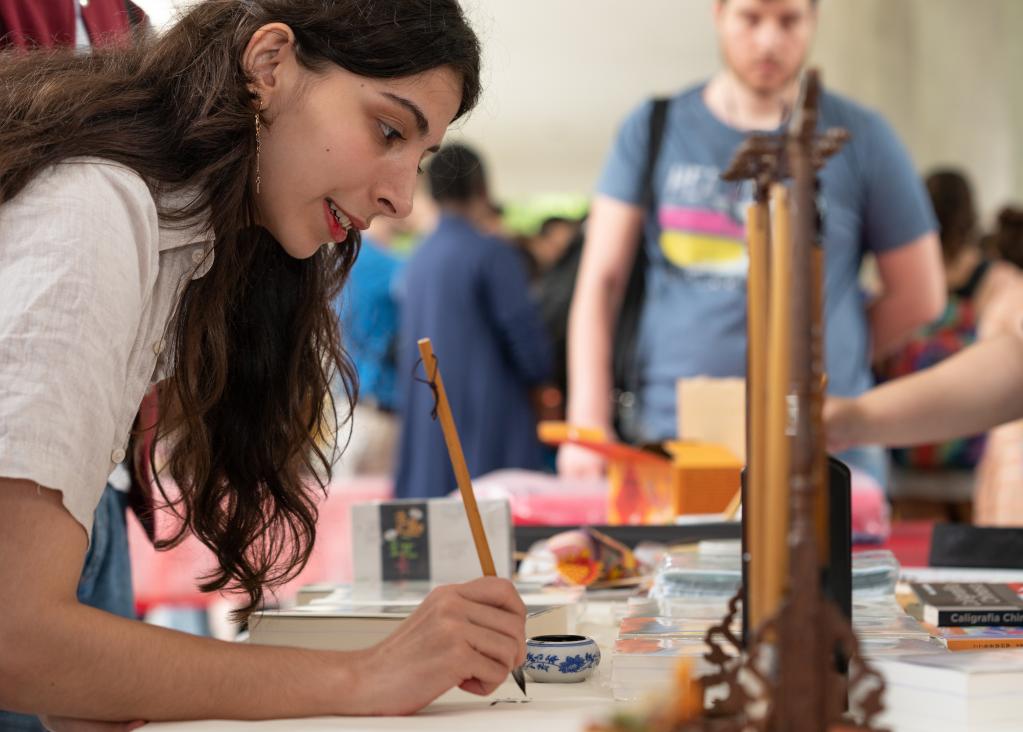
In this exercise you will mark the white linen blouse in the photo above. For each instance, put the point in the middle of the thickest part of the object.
(88, 282)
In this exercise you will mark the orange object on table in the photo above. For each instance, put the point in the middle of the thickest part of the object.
(639, 481)
(705, 476)
(645, 487)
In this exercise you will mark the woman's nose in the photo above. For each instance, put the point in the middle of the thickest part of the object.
(394, 197)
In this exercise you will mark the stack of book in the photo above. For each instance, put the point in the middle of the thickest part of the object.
(980, 638)
(348, 619)
(960, 692)
(967, 616)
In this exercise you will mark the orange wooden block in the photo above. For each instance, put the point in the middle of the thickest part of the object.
(705, 477)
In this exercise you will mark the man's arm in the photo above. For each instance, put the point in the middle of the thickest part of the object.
(912, 293)
(65, 659)
(612, 235)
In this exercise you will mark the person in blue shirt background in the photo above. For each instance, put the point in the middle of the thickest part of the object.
(693, 319)
(369, 312)
(467, 291)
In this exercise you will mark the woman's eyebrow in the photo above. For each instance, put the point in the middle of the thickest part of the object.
(421, 123)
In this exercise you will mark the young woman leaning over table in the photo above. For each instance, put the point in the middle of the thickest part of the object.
(186, 212)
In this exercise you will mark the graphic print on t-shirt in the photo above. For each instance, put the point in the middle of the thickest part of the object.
(702, 225)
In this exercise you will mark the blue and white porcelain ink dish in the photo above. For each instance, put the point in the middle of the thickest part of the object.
(561, 659)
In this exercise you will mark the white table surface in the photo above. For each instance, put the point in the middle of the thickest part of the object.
(552, 706)
(562, 707)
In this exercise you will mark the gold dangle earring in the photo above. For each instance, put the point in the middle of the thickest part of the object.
(258, 179)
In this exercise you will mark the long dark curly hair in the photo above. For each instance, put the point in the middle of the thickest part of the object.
(257, 342)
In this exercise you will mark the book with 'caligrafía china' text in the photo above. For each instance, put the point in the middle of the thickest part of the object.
(970, 604)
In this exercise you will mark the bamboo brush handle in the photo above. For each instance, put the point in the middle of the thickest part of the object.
(774, 563)
(447, 423)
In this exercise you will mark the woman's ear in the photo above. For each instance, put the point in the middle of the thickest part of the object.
(270, 51)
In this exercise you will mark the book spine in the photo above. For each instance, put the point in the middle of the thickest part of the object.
(974, 644)
(974, 618)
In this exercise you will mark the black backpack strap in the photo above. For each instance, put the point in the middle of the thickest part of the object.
(623, 358)
(657, 117)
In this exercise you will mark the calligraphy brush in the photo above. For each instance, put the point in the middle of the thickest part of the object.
(472, 511)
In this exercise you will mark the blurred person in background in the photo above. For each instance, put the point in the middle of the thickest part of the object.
(954, 395)
(557, 247)
(974, 282)
(693, 317)
(368, 309)
(467, 291)
(1006, 241)
(546, 247)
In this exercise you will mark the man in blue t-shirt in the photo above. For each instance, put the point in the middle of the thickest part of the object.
(693, 320)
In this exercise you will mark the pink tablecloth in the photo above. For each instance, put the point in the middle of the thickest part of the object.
(170, 577)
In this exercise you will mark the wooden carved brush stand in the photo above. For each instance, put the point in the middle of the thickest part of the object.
(800, 661)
